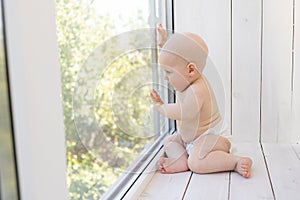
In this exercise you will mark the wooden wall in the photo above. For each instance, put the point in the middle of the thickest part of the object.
(255, 47)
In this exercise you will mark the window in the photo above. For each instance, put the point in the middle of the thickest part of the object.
(109, 65)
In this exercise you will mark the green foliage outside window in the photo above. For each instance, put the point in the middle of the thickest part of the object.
(106, 146)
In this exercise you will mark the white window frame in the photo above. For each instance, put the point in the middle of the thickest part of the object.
(34, 73)
(130, 185)
(37, 111)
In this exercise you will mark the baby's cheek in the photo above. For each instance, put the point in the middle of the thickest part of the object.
(181, 84)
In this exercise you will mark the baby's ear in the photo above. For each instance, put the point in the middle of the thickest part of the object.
(192, 68)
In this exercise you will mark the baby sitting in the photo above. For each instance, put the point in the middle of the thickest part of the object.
(198, 144)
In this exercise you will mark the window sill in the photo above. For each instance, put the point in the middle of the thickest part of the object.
(273, 175)
(139, 173)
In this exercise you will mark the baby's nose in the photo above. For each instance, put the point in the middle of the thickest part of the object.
(166, 78)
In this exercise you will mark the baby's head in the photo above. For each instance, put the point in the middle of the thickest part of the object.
(183, 58)
(186, 47)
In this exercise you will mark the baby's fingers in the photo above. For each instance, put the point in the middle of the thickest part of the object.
(154, 93)
(160, 29)
(163, 35)
(155, 96)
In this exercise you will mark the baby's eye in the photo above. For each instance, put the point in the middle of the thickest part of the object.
(168, 72)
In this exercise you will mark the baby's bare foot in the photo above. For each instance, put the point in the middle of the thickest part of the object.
(243, 167)
(170, 166)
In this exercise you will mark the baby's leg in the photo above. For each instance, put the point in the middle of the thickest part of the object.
(176, 160)
(212, 142)
(217, 159)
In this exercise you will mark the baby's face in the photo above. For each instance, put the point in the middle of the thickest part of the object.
(176, 72)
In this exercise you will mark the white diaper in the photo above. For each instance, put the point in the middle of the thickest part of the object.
(221, 129)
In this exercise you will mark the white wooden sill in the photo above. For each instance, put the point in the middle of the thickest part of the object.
(275, 175)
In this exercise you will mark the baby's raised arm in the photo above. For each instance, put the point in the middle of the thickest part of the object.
(163, 35)
(186, 109)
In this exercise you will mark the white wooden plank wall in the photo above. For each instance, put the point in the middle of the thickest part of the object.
(251, 44)
(296, 80)
(277, 70)
(211, 20)
(246, 56)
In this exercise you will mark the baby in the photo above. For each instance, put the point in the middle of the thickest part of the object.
(198, 145)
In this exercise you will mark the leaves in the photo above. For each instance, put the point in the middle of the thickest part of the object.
(102, 145)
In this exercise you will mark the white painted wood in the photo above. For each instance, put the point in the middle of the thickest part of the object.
(258, 185)
(208, 186)
(296, 94)
(145, 178)
(246, 70)
(284, 166)
(35, 85)
(296, 148)
(280, 109)
(166, 186)
(211, 20)
(277, 70)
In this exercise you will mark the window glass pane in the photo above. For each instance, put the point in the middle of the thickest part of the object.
(8, 175)
(108, 66)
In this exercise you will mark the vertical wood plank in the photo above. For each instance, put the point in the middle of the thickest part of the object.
(211, 20)
(296, 93)
(258, 185)
(284, 168)
(277, 70)
(246, 72)
(208, 186)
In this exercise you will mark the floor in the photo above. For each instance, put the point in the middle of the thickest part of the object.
(275, 175)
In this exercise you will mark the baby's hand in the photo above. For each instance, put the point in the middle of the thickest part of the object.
(163, 35)
(155, 97)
